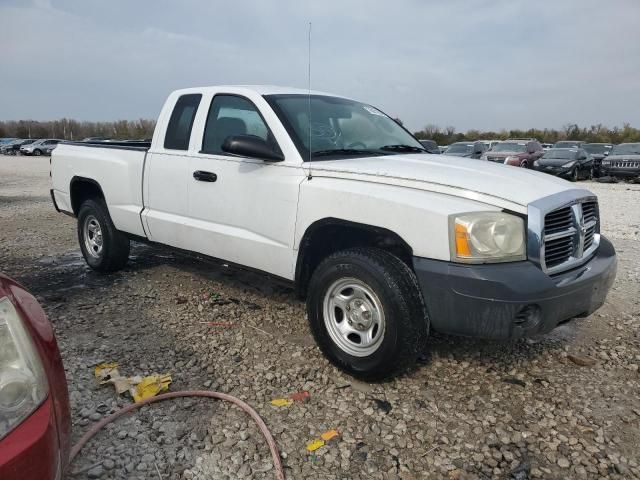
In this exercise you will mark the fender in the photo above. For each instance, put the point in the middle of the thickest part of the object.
(357, 234)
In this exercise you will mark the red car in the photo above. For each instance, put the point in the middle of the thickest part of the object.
(35, 422)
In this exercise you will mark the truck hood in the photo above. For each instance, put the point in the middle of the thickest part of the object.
(624, 157)
(487, 182)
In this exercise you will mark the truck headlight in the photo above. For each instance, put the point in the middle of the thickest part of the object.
(23, 383)
(487, 237)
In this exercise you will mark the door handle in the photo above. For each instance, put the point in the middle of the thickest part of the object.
(203, 176)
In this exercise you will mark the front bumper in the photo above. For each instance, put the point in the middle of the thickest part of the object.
(620, 172)
(512, 300)
(557, 171)
(32, 451)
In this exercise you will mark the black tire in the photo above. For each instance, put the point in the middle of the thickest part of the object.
(406, 323)
(37, 152)
(114, 252)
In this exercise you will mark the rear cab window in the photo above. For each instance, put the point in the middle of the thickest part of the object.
(181, 122)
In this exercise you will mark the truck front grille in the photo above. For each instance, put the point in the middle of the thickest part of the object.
(625, 164)
(569, 235)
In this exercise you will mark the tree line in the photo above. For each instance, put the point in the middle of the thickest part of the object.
(595, 133)
(67, 129)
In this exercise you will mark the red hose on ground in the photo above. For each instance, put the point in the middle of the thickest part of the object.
(275, 455)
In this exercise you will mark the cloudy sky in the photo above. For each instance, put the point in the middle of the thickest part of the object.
(484, 64)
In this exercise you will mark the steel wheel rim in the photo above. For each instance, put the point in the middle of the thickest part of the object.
(354, 317)
(92, 233)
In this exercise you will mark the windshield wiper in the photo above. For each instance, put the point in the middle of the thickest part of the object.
(341, 151)
(403, 148)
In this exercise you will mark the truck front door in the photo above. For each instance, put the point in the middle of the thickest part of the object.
(242, 210)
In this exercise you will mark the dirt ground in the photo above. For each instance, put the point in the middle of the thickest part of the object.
(471, 409)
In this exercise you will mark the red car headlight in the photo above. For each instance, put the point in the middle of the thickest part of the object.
(23, 382)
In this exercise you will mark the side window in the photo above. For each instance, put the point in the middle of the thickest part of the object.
(181, 122)
(230, 115)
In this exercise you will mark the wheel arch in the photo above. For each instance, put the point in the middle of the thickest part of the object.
(328, 235)
(81, 189)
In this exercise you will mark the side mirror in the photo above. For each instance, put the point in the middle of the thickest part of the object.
(252, 147)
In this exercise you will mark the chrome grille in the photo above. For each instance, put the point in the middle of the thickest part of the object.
(625, 164)
(570, 234)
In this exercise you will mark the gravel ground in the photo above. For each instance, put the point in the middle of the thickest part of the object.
(472, 409)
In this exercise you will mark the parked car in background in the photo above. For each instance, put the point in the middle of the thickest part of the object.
(622, 161)
(443, 148)
(598, 152)
(490, 143)
(570, 163)
(466, 149)
(43, 146)
(6, 140)
(430, 146)
(547, 146)
(35, 423)
(518, 153)
(13, 148)
(6, 148)
(569, 144)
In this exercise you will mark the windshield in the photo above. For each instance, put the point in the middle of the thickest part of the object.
(509, 147)
(561, 154)
(626, 149)
(460, 148)
(340, 127)
(596, 148)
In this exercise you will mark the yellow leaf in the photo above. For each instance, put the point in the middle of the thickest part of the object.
(329, 434)
(281, 402)
(315, 444)
(151, 386)
(104, 370)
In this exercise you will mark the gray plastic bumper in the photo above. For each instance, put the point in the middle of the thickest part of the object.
(512, 300)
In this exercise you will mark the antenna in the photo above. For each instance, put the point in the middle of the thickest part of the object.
(309, 96)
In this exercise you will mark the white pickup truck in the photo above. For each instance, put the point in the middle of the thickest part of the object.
(384, 240)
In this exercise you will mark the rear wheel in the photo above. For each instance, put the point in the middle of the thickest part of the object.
(104, 248)
(366, 312)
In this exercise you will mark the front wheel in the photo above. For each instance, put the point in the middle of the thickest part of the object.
(37, 152)
(574, 175)
(104, 248)
(366, 312)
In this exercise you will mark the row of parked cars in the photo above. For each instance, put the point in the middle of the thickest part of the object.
(28, 146)
(573, 160)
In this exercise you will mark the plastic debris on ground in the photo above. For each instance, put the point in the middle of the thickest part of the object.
(140, 388)
(281, 402)
(325, 438)
(301, 396)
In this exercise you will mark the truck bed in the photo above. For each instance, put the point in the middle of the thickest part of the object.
(120, 145)
(116, 167)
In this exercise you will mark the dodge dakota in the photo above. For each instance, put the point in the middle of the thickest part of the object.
(384, 241)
